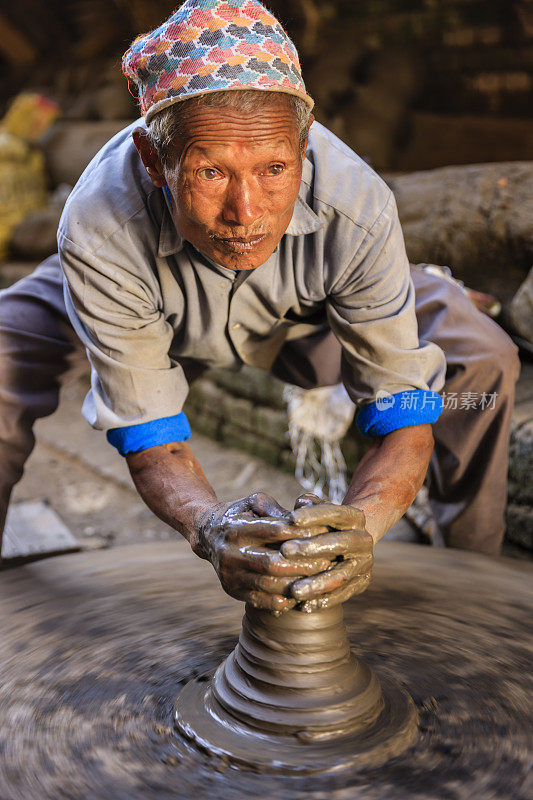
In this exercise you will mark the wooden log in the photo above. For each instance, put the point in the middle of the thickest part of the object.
(475, 219)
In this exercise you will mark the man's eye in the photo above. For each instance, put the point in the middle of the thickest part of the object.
(275, 169)
(209, 174)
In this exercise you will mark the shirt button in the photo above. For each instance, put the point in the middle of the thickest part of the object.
(237, 325)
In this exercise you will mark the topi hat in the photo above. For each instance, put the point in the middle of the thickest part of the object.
(210, 46)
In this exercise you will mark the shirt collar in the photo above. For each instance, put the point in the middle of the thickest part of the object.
(303, 220)
(170, 239)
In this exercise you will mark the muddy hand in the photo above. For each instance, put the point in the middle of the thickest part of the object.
(347, 546)
(242, 541)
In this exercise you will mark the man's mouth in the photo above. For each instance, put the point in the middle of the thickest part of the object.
(240, 244)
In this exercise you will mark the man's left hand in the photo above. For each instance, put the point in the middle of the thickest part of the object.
(348, 545)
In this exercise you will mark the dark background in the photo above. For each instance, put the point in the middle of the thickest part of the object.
(409, 84)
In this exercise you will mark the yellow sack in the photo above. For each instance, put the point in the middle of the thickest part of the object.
(22, 184)
(29, 115)
(22, 170)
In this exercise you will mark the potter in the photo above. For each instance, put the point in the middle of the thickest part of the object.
(228, 228)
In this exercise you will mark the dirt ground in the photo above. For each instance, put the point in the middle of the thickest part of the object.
(87, 483)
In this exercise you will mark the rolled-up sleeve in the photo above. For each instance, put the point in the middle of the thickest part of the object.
(371, 310)
(116, 311)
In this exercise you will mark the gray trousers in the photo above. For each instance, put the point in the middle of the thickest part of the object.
(39, 352)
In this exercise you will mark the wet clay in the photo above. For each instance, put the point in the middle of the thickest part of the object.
(96, 647)
(292, 697)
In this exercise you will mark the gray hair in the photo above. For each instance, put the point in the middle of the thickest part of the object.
(171, 123)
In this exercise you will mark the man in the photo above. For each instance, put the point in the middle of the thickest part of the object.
(231, 231)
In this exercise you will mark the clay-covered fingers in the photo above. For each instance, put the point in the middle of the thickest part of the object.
(265, 506)
(258, 503)
(329, 545)
(306, 500)
(271, 562)
(238, 507)
(268, 584)
(251, 529)
(240, 579)
(337, 576)
(330, 514)
(267, 602)
(356, 586)
(255, 528)
(262, 591)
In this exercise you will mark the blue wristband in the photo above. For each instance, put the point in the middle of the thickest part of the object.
(134, 438)
(393, 411)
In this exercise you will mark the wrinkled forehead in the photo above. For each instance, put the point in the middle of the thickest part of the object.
(208, 129)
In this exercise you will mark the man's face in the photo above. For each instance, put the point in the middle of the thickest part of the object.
(235, 182)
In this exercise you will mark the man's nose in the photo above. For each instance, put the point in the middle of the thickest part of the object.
(243, 203)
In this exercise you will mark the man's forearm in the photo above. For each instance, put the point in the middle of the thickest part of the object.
(173, 485)
(389, 475)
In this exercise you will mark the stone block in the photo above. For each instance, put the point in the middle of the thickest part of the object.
(204, 396)
(235, 436)
(520, 525)
(272, 424)
(521, 464)
(207, 424)
(238, 412)
(255, 384)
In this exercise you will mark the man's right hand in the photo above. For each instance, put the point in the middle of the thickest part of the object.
(242, 541)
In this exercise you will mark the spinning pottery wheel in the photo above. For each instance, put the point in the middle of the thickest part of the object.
(97, 649)
(292, 698)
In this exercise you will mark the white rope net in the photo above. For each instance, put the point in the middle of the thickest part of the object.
(318, 420)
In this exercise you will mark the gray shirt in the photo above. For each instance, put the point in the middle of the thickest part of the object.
(145, 302)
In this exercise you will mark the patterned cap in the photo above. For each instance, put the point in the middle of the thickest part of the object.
(209, 46)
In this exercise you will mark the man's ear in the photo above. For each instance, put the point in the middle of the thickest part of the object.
(149, 157)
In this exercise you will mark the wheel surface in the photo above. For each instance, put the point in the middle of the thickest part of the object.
(97, 646)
